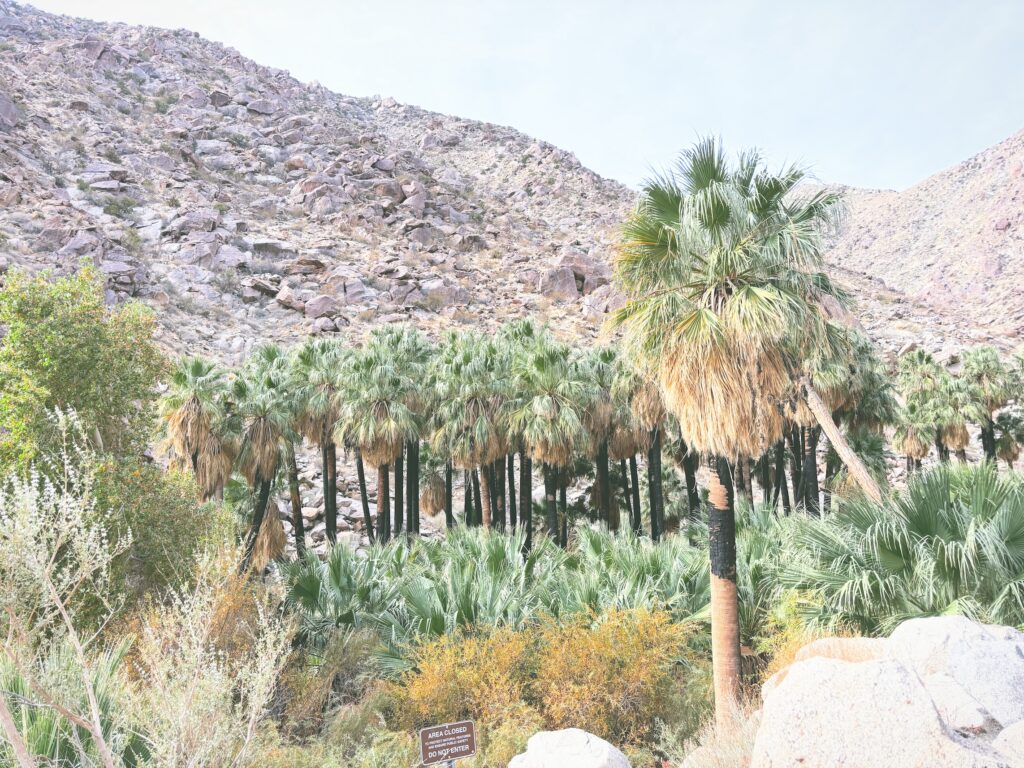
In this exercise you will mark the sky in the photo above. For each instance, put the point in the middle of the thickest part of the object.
(871, 93)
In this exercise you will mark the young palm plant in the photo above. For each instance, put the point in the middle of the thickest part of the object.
(721, 266)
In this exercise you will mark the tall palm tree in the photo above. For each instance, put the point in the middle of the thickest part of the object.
(599, 365)
(193, 414)
(470, 426)
(374, 415)
(263, 418)
(316, 371)
(990, 380)
(548, 412)
(721, 267)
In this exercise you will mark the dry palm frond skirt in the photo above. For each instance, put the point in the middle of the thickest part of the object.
(270, 541)
(729, 401)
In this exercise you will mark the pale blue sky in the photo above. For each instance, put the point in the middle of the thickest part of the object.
(871, 93)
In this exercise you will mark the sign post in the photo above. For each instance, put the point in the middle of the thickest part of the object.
(447, 743)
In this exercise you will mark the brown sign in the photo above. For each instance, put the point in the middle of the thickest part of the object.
(447, 743)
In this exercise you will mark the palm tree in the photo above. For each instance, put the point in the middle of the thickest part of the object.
(259, 400)
(721, 266)
(193, 414)
(600, 365)
(990, 381)
(316, 371)
(1009, 427)
(374, 415)
(548, 412)
(470, 425)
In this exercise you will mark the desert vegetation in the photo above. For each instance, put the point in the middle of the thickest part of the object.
(626, 536)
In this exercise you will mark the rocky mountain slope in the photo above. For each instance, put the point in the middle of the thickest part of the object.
(244, 205)
(954, 242)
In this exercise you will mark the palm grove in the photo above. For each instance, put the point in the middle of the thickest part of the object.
(733, 365)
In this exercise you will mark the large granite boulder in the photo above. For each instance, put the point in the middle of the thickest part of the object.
(569, 748)
(940, 692)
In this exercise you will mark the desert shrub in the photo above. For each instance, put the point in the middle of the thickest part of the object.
(715, 746)
(481, 676)
(171, 529)
(616, 675)
(55, 558)
(208, 663)
(337, 680)
(64, 348)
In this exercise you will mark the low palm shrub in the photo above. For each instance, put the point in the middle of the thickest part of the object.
(952, 543)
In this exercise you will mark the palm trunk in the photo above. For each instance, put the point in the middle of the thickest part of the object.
(852, 461)
(399, 489)
(690, 475)
(411, 490)
(940, 447)
(467, 498)
(796, 463)
(654, 484)
(551, 500)
(988, 440)
(363, 496)
(634, 482)
(449, 511)
(499, 492)
(780, 474)
(325, 483)
(478, 514)
(258, 513)
(511, 470)
(383, 504)
(332, 484)
(526, 496)
(725, 623)
(604, 496)
(961, 455)
(810, 472)
(831, 470)
(486, 495)
(624, 472)
(563, 507)
(298, 524)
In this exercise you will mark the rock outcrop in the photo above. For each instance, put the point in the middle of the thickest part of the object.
(569, 748)
(940, 692)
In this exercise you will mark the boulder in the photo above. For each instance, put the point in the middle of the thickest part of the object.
(1010, 743)
(10, 115)
(322, 306)
(569, 748)
(987, 662)
(559, 283)
(870, 714)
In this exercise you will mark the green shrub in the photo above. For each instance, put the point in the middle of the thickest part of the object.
(64, 348)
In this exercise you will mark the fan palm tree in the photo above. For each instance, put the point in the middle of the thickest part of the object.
(548, 413)
(374, 415)
(472, 394)
(600, 365)
(264, 420)
(990, 381)
(193, 414)
(721, 267)
(915, 432)
(317, 369)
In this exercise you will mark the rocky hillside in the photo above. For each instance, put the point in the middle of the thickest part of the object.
(245, 205)
(954, 242)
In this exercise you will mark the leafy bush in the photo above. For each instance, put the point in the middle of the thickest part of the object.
(953, 542)
(617, 675)
(64, 348)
